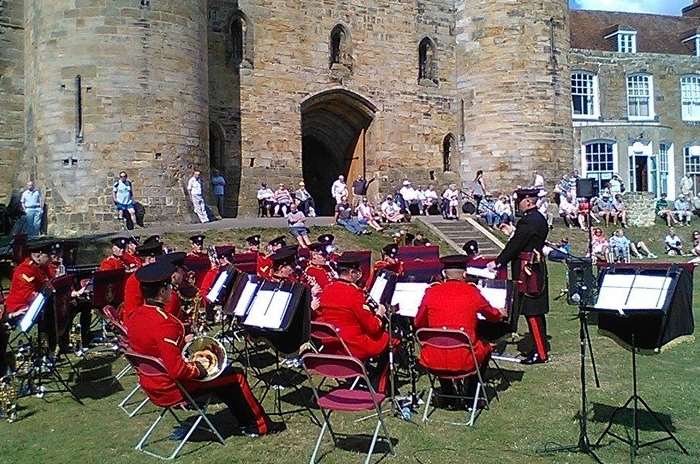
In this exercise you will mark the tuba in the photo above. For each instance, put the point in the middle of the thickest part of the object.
(210, 353)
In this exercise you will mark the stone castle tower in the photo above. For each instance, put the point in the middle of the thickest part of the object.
(276, 92)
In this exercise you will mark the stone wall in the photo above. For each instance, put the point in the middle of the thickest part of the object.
(11, 95)
(612, 70)
(640, 208)
(512, 64)
(143, 68)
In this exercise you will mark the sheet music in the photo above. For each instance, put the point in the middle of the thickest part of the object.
(408, 295)
(30, 316)
(213, 294)
(378, 288)
(268, 309)
(495, 296)
(481, 272)
(629, 292)
(245, 299)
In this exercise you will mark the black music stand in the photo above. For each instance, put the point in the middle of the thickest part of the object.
(648, 295)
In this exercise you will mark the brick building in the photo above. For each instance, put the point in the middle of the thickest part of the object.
(278, 92)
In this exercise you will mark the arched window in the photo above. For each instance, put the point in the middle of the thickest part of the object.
(448, 150)
(216, 146)
(241, 41)
(340, 47)
(427, 62)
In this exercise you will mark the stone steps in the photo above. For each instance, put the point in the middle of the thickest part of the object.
(456, 233)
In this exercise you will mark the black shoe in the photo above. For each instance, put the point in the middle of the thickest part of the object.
(534, 358)
(251, 431)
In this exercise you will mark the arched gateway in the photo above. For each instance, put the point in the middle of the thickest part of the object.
(333, 124)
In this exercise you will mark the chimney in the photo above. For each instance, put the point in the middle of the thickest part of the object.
(692, 10)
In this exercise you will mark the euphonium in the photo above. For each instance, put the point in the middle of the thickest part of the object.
(209, 352)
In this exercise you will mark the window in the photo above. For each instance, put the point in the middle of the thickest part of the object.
(448, 149)
(584, 95)
(340, 52)
(694, 40)
(627, 42)
(691, 165)
(690, 98)
(599, 162)
(640, 101)
(427, 63)
(665, 152)
(240, 44)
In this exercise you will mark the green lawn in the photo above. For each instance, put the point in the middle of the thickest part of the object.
(538, 408)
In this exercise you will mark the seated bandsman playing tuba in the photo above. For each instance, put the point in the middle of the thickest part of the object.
(342, 304)
(152, 332)
(455, 303)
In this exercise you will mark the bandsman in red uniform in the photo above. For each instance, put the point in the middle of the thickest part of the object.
(455, 303)
(153, 332)
(328, 241)
(389, 261)
(318, 273)
(343, 305)
(28, 278)
(253, 243)
(116, 259)
(130, 256)
(264, 264)
(133, 298)
(181, 287)
(197, 248)
(284, 263)
(224, 256)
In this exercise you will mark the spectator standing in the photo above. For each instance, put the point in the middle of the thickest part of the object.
(266, 200)
(218, 185)
(339, 189)
(283, 199)
(33, 209)
(683, 210)
(123, 197)
(391, 211)
(366, 215)
(360, 186)
(343, 217)
(479, 188)
(297, 225)
(487, 210)
(194, 188)
(673, 243)
(686, 185)
(615, 185)
(304, 200)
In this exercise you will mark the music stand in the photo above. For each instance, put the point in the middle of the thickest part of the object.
(626, 293)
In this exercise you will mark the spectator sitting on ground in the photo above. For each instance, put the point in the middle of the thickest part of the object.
(567, 210)
(696, 242)
(297, 225)
(695, 201)
(673, 243)
(451, 202)
(419, 240)
(504, 210)
(282, 200)
(621, 246)
(663, 210)
(410, 197)
(266, 200)
(600, 245)
(565, 246)
(607, 209)
(343, 217)
(487, 211)
(391, 212)
(620, 210)
(304, 200)
(583, 210)
(366, 215)
(430, 199)
(683, 210)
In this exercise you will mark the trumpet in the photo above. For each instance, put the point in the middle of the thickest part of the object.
(210, 353)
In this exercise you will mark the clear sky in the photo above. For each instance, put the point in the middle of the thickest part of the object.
(669, 7)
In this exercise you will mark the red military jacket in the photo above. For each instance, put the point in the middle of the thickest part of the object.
(131, 260)
(454, 304)
(198, 254)
(111, 263)
(208, 281)
(133, 300)
(27, 279)
(342, 304)
(152, 332)
(264, 267)
(317, 276)
(396, 267)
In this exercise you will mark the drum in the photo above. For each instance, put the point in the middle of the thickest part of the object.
(210, 353)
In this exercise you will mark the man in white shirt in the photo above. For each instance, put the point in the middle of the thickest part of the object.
(33, 209)
(194, 188)
(615, 185)
(451, 197)
(391, 211)
(410, 197)
(674, 245)
(339, 189)
(568, 210)
(123, 197)
(430, 198)
(683, 209)
(266, 200)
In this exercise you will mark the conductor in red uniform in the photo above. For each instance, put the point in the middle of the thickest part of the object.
(342, 304)
(455, 304)
(116, 259)
(153, 332)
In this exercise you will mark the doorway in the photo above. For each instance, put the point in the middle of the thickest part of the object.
(334, 124)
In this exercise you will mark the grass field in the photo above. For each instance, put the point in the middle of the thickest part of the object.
(537, 408)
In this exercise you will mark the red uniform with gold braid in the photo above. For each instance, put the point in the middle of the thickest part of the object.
(153, 332)
(315, 275)
(454, 304)
(131, 260)
(28, 279)
(208, 280)
(264, 266)
(133, 299)
(112, 263)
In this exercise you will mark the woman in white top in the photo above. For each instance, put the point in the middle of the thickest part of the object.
(451, 197)
(391, 211)
(365, 215)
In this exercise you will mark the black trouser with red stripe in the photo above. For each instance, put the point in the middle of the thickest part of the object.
(232, 388)
(538, 331)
